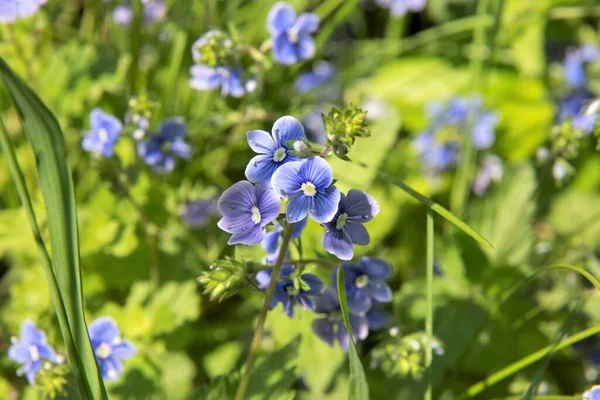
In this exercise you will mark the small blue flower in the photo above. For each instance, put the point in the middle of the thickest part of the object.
(207, 78)
(574, 65)
(330, 326)
(274, 150)
(104, 133)
(346, 228)
(399, 8)
(291, 36)
(12, 10)
(287, 293)
(110, 349)
(159, 150)
(308, 186)
(246, 211)
(321, 73)
(30, 350)
(483, 132)
(271, 241)
(435, 155)
(378, 318)
(196, 213)
(365, 283)
(491, 171)
(573, 107)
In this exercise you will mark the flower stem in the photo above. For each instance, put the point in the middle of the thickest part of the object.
(429, 317)
(262, 317)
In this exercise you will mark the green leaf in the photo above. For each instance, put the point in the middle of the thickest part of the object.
(64, 276)
(357, 383)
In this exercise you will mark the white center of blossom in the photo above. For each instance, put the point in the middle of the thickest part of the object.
(308, 189)
(341, 221)
(256, 217)
(292, 35)
(34, 353)
(279, 154)
(103, 134)
(361, 281)
(104, 350)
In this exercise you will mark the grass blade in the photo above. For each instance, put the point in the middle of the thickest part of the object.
(44, 134)
(358, 387)
(429, 318)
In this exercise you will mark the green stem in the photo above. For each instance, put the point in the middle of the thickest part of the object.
(136, 45)
(262, 317)
(429, 317)
(395, 28)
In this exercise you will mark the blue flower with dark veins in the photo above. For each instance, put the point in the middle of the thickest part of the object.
(246, 211)
(291, 35)
(365, 283)
(308, 185)
(110, 349)
(104, 133)
(272, 240)
(286, 291)
(208, 78)
(273, 150)
(160, 150)
(321, 73)
(346, 228)
(12, 10)
(30, 350)
(330, 326)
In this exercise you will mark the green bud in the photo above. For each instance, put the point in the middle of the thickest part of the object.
(224, 278)
(343, 127)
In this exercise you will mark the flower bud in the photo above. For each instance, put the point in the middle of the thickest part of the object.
(224, 278)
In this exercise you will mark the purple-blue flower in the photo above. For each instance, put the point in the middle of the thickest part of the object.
(291, 35)
(30, 350)
(378, 318)
(208, 78)
(160, 150)
(273, 149)
(272, 240)
(321, 73)
(246, 211)
(308, 186)
(330, 326)
(491, 171)
(483, 132)
(346, 228)
(12, 10)
(399, 8)
(365, 283)
(197, 213)
(110, 349)
(104, 133)
(287, 293)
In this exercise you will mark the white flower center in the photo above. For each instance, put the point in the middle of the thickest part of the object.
(256, 217)
(34, 353)
(279, 154)
(341, 222)
(103, 134)
(309, 189)
(292, 35)
(104, 350)
(361, 281)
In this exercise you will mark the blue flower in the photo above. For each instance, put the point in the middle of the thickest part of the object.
(105, 130)
(271, 241)
(346, 228)
(274, 150)
(291, 36)
(573, 67)
(246, 211)
(399, 8)
(321, 73)
(573, 107)
(308, 186)
(330, 326)
(159, 150)
(12, 10)
(592, 393)
(196, 213)
(484, 130)
(365, 283)
(491, 171)
(123, 15)
(30, 350)
(378, 318)
(435, 155)
(287, 293)
(208, 78)
(110, 349)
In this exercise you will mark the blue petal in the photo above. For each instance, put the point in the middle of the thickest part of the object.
(376, 268)
(8, 11)
(317, 171)
(287, 128)
(325, 205)
(248, 236)
(380, 291)
(237, 201)
(297, 208)
(483, 132)
(204, 78)
(104, 329)
(378, 319)
(110, 368)
(232, 85)
(19, 352)
(30, 334)
(327, 302)
(574, 72)
(314, 283)
(286, 180)
(306, 23)
(594, 393)
(323, 328)
(362, 205)
(360, 331)
(122, 15)
(281, 18)
(358, 233)
(336, 243)
(268, 203)
(181, 149)
(284, 51)
(31, 370)
(298, 228)
(305, 48)
(263, 278)
(261, 142)
(124, 350)
(359, 301)
(271, 241)
(172, 128)
(260, 169)
(46, 352)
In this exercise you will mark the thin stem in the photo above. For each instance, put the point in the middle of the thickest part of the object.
(136, 45)
(262, 317)
(429, 317)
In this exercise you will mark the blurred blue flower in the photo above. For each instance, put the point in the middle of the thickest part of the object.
(159, 150)
(321, 73)
(291, 35)
(271, 241)
(399, 8)
(314, 127)
(346, 228)
(273, 150)
(286, 293)
(308, 186)
(484, 133)
(30, 350)
(574, 64)
(196, 213)
(123, 15)
(378, 318)
(246, 211)
(12, 10)
(574, 107)
(592, 393)
(110, 349)
(207, 78)
(491, 171)
(330, 326)
(154, 11)
(104, 132)
(365, 283)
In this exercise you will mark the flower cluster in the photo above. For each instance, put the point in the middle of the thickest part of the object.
(110, 349)
(342, 127)
(291, 34)
(13, 10)
(399, 8)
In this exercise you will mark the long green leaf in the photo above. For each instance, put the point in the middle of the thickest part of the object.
(358, 387)
(44, 134)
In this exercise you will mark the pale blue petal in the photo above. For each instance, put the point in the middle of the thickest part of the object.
(104, 329)
(287, 128)
(306, 23)
(30, 334)
(305, 48)
(204, 78)
(315, 284)
(284, 51)
(251, 236)
(298, 228)
(325, 205)
(268, 203)
(124, 350)
(281, 18)
(336, 243)
(260, 169)
(297, 208)
(376, 268)
(317, 171)
(261, 142)
(237, 200)
(359, 301)
(19, 352)
(286, 180)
